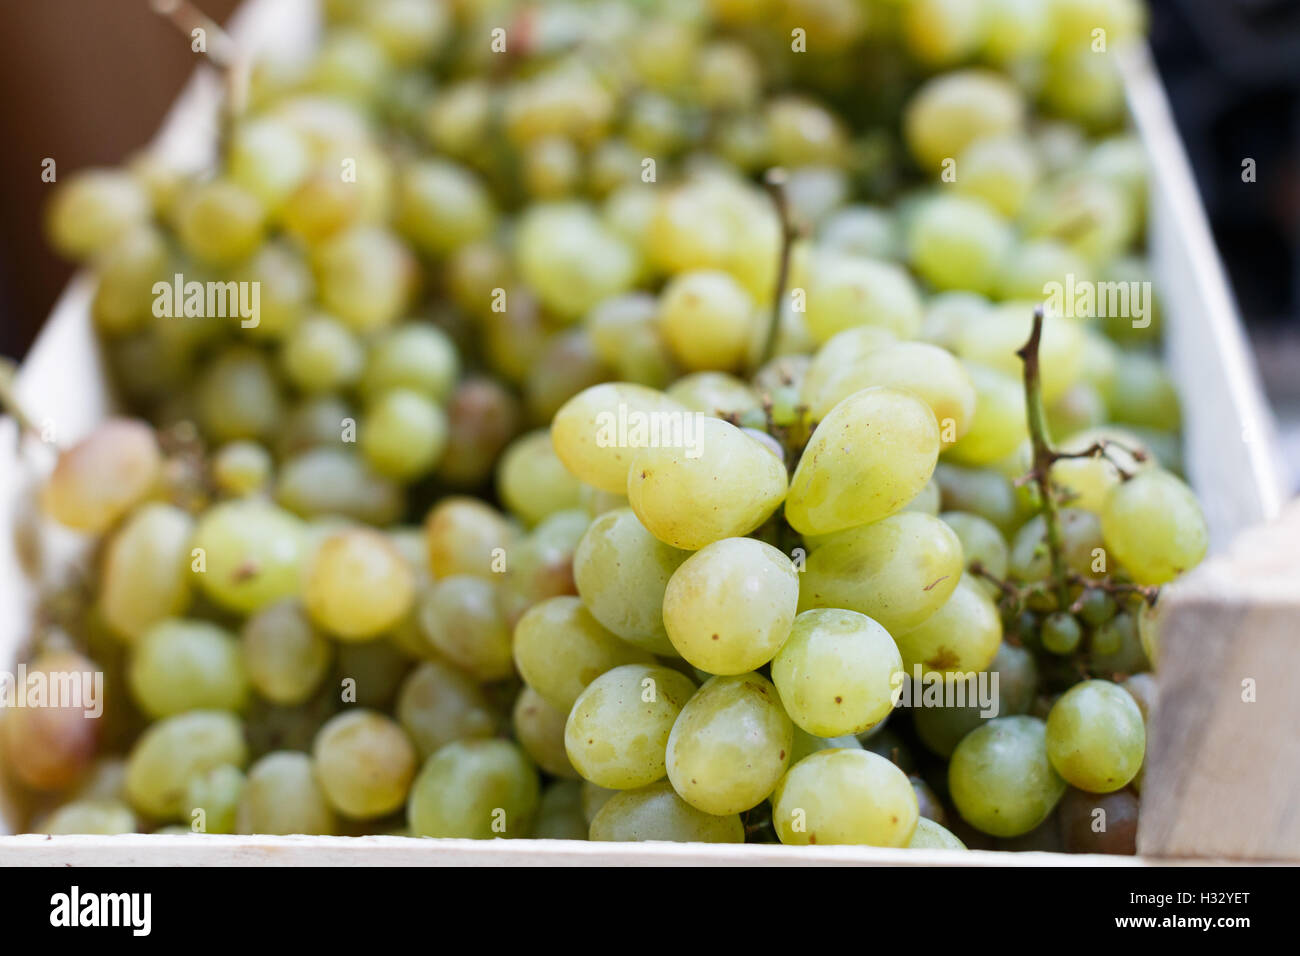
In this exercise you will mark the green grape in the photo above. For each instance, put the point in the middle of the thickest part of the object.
(845, 797)
(942, 728)
(466, 536)
(897, 571)
(931, 836)
(958, 242)
(839, 356)
(952, 110)
(77, 495)
(716, 222)
(1000, 778)
(439, 703)
(1030, 272)
(462, 617)
(246, 554)
(532, 481)
(624, 334)
(871, 454)
(322, 355)
(656, 812)
(417, 357)
(403, 434)
(929, 372)
(442, 206)
(241, 468)
(551, 167)
(1142, 393)
(622, 572)
(127, 272)
(1154, 527)
(715, 393)
(286, 657)
(988, 494)
(541, 566)
(838, 673)
(50, 747)
(92, 209)
(357, 585)
(999, 424)
(846, 291)
(993, 342)
(729, 607)
(238, 396)
(1096, 607)
(586, 432)
(802, 132)
(730, 745)
(181, 665)
(729, 76)
(1128, 657)
(282, 795)
(1095, 736)
(145, 576)
(175, 749)
(212, 799)
(539, 728)
(559, 813)
(617, 731)
(366, 277)
(568, 364)
(482, 416)
(980, 541)
(349, 65)
(219, 223)
(1149, 623)
(726, 485)
(1092, 216)
(310, 423)
(1081, 407)
(364, 764)
(961, 637)
(1081, 546)
(942, 32)
(1085, 87)
(1000, 170)
(1061, 633)
(98, 817)
(474, 789)
(1087, 482)
(268, 159)
(708, 320)
(860, 230)
(336, 482)
(559, 648)
(570, 258)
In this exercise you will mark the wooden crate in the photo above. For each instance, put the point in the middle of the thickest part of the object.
(1220, 778)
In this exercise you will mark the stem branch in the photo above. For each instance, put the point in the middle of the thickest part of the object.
(774, 182)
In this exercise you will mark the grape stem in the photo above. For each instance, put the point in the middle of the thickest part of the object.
(774, 182)
(1111, 587)
(220, 50)
(1044, 456)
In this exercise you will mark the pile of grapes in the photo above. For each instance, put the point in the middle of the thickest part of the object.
(639, 436)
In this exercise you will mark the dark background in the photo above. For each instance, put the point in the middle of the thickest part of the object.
(88, 81)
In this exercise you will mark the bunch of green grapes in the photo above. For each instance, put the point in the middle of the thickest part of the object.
(566, 485)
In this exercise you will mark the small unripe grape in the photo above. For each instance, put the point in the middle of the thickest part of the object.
(403, 434)
(1061, 633)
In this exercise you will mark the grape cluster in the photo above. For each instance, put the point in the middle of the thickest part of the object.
(404, 554)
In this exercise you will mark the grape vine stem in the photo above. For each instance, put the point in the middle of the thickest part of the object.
(774, 181)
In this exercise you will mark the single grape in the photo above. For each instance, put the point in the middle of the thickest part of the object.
(961, 637)
(559, 812)
(845, 797)
(846, 291)
(467, 536)
(403, 434)
(246, 554)
(932, 836)
(357, 585)
(656, 812)
(539, 728)
(715, 393)
(439, 703)
(474, 789)
(417, 356)
(463, 618)
(212, 799)
(730, 606)
(1154, 527)
(364, 764)
(1095, 736)
(730, 745)
(1000, 778)
(98, 817)
(708, 320)
(103, 476)
(283, 795)
(145, 576)
(175, 749)
(617, 731)
(588, 437)
(286, 656)
(952, 110)
(838, 673)
(92, 208)
(335, 482)
(180, 665)
(532, 481)
(50, 741)
(1061, 633)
